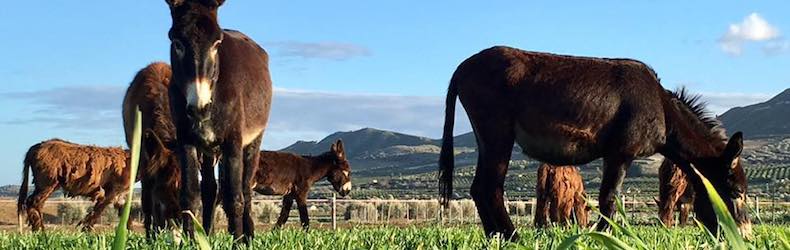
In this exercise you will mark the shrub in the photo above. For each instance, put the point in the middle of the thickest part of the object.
(71, 213)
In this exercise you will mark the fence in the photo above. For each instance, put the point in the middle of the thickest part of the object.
(396, 211)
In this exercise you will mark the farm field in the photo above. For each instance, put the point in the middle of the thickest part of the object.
(427, 236)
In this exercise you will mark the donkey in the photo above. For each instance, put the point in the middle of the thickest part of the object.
(292, 176)
(675, 193)
(220, 98)
(568, 110)
(560, 196)
(95, 172)
(158, 164)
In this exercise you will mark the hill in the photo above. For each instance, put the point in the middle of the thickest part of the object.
(770, 118)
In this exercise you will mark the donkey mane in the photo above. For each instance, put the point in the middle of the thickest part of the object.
(694, 104)
(325, 156)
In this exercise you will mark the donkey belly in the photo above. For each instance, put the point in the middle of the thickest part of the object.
(558, 146)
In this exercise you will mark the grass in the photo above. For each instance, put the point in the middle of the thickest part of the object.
(468, 236)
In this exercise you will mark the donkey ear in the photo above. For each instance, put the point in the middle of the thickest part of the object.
(341, 152)
(174, 3)
(734, 147)
(220, 2)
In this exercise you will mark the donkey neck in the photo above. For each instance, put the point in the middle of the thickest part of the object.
(320, 165)
(688, 137)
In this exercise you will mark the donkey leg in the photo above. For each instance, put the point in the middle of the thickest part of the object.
(189, 186)
(288, 201)
(251, 159)
(146, 204)
(231, 186)
(495, 146)
(110, 196)
(301, 204)
(611, 184)
(34, 204)
(208, 191)
(685, 209)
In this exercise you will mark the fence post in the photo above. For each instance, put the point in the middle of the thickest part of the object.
(532, 208)
(757, 206)
(333, 202)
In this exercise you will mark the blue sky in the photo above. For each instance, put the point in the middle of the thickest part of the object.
(344, 65)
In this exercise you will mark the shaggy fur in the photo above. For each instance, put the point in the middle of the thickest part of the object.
(560, 196)
(568, 110)
(675, 194)
(95, 172)
(159, 167)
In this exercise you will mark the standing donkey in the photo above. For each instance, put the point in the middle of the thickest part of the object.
(567, 110)
(158, 165)
(292, 176)
(220, 96)
(560, 196)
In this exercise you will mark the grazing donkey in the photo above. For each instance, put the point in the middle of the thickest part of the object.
(220, 96)
(95, 172)
(158, 164)
(675, 194)
(560, 196)
(567, 110)
(292, 176)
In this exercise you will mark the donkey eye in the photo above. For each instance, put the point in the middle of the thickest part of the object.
(178, 47)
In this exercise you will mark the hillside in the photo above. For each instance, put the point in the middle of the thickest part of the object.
(770, 118)
(359, 142)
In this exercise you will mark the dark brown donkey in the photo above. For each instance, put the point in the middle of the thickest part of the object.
(96, 172)
(674, 194)
(158, 164)
(292, 176)
(220, 96)
(560, 196)
(567, 110)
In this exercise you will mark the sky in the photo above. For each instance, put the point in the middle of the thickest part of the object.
(346, 65)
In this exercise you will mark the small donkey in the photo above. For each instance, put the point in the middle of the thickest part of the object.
(292, 175)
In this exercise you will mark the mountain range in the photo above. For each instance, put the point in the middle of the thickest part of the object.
(761, 120)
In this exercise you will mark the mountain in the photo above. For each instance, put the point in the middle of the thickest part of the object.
(358, 143)
(761, 120)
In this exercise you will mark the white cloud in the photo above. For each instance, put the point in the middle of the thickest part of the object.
(321, 50)
(776, 47)
(719, 102)
(753, 28)
(82, 111)
(317, 114)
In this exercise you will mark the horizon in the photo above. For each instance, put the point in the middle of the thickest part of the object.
(364, 64)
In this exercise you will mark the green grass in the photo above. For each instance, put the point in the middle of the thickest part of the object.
(384, 237)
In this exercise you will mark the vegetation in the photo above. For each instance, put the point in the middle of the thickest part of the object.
(466, 236)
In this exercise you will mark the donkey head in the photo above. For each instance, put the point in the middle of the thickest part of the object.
(726, 173)
(195, 39)
(340, 171)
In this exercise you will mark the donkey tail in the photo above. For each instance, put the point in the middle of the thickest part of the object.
(447, 154)
(29, 160)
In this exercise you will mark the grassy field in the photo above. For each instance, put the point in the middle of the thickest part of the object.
(468, 236)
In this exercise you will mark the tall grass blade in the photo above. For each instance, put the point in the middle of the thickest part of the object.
(121, 232)
(609, 241)
(726, 222)
(200, 233)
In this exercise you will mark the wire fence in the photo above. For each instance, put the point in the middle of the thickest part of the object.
(333, 211)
